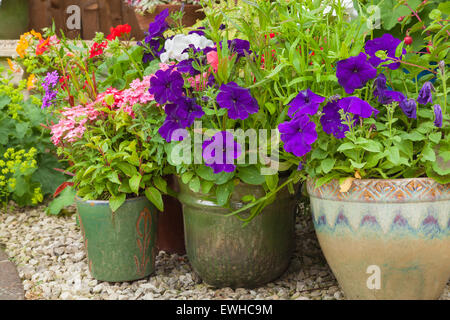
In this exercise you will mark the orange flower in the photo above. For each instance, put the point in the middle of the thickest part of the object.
(30, 82)
(22, 46)
(36, 34)
(12, 66)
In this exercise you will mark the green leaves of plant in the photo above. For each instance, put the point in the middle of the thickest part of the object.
(65, 199)
(223, 193)
(135, 182)
(155, 197)
(117, 201)
(251, 175)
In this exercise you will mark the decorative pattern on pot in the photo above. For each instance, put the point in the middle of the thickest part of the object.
(225, 254)
(143, 241)
(399, 227)
(120, 246)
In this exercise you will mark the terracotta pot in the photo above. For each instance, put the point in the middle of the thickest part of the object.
(191, 15)
(385, 239)
(170, 225)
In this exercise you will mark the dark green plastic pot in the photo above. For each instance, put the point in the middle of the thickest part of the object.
(120, 246)
(226, 254)
(13, 18)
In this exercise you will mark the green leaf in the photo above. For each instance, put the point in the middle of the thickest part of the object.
(372, 146)
(327, 165)
(4, 101)
(155, 197)
(272, 182)
(117, 201)
(194, 184)
(207, 186)
(435, 137)
(357, 165)
(223, 193)
(248, 198)
(346, 146)
(113, 177)
(251, 175)
(135, 181)
(187, 176)
(428, 154)
(206, 173)
(65, 199)
(160, 183)
(127, 168)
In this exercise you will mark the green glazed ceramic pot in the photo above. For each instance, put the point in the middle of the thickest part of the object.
(120, 246)
(385, 239)
(223, 253)
(13, 18)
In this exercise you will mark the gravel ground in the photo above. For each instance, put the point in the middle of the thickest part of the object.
(52, 264)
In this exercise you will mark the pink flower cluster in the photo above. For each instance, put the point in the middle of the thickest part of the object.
(136, 94)
(71, 127)
(72, 124)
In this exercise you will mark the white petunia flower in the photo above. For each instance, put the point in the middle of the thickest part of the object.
(348, 7)
(174, 47)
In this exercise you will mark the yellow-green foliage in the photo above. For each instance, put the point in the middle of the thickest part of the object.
(16, 170)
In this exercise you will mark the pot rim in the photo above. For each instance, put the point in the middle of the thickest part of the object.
(384, 180)
(77, 198)
(404, 190)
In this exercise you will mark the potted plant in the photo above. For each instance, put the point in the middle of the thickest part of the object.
(197, 86)
(147, 10)
(375, 153)
(108, 136)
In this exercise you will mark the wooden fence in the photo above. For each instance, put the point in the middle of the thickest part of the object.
(96, 16)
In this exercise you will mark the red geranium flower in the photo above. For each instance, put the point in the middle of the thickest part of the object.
(97, 49)
(119, 31)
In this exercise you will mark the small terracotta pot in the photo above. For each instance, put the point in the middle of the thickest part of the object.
(191, 15)
(170, 223)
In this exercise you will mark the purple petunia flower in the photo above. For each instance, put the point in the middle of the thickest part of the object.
(331, 120)
(425, 93)
(237, 100)
(298, 135)
(357, 107)
(388, 96)
(49, 84)
(198, 31)
(379, 87)
(221, 151)
(166, 86)
(180, 115)
(185, 66)
(438, 116)
(174, 121)
(306, 102)
(189, 110)
(409, 107)
(157, 28)
(152, 50)
(384, 95)
(386, 43)
(239, 47)
(354, 72)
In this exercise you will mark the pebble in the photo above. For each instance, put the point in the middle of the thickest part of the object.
(49, 253)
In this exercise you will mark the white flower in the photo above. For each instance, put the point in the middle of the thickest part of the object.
(348, 7)
(174, 47)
